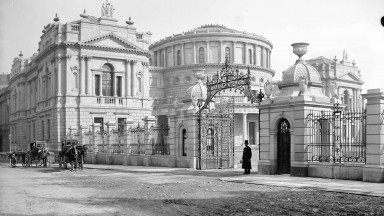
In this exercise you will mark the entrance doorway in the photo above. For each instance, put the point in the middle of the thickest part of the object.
(283, 147)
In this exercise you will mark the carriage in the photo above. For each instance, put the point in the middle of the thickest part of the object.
(14, 157)
(73, 153)
(38, 153)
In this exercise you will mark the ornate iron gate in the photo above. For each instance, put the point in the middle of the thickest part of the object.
(217, 136)
(160, 144)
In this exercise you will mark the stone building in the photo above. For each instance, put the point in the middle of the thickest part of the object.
(4, 112)
(204, 49)
(87, 72)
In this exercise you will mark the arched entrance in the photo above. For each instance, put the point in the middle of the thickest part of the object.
(283, 147)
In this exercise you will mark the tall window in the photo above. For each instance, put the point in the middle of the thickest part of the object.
(228, 53)
(97, 85)
(29, 132)
(118, 86)
(42, 130)
(48, 129)
(107, 80)
(201, 55)
(100, 121)
(250, 56)
(178, 57)
(34, 132)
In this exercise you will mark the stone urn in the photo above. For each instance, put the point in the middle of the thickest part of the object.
(299, 49)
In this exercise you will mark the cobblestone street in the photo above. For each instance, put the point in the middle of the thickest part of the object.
(121, 190)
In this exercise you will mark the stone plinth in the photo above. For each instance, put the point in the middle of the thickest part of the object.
(373, 171)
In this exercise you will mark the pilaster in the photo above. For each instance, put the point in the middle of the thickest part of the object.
(373, 171)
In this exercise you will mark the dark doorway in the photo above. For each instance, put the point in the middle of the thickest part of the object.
(283, 147)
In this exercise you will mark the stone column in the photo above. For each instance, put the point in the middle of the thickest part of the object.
(127, 78)
(114, 78)
(82, 75)
(88, 75)
(221, 52)
(234, 53)
(133, 78)
(59, 75)
(208, 58)
(145, 79)
(254, 54)
(149, 139)
(373, 171)
(262, 57)
(128, 123)
(182, 54)
(166, 57)
(194, 52)
(245, 128)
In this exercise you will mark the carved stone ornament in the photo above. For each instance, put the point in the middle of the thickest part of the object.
(107, 9)
(303, 84)
(268, 89)
(333, 89)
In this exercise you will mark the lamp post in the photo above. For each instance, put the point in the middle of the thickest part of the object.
(199, 104)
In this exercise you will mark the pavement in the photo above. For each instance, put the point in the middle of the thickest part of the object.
(332, 185)
(236, 176)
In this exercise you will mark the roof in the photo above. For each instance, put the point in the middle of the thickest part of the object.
(321, 59)
(301, 69)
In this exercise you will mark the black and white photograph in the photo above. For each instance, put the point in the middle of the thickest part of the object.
(191, 107)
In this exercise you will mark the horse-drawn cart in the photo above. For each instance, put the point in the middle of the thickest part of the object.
(17, 156)
(72, 152)
(38, 153)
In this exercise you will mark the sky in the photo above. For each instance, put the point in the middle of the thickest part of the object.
(329, 26)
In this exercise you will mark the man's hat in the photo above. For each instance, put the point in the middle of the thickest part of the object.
(246, 141)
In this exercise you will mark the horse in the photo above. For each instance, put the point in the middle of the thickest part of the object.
(71, 155)
(44, 155)
(34, 155)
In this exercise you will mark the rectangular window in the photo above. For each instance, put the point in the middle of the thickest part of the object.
(42, 130)
(120, 124)
(100, 121)
(48, 129)
(34, 132)
(29, 132)
(97, 85)
(118, 86)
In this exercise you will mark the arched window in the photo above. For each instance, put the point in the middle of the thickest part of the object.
(178, 57)
(107, 80)
(201, 55)
(228, 53)
(250, 56)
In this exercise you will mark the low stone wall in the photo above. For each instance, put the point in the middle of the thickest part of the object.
(4, 156)
(346, 171)
(141, 160)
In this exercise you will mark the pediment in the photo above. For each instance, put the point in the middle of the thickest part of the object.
(350, 77)
(110, 40)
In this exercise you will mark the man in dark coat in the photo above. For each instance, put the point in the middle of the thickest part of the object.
(247, 155)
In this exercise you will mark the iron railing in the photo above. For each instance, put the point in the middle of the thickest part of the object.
(336, 136)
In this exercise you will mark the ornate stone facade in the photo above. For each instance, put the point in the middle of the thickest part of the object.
(85, 71)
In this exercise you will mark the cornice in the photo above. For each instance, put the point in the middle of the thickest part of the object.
(214, 65)
(115, 49)
(46, 51)
(209, 34)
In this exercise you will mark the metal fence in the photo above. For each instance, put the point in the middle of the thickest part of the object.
(336, 136)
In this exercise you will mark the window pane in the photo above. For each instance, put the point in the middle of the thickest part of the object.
(118, 86)
(107, 84)
(101, 122)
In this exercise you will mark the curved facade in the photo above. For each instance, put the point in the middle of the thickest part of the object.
(175, 59)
